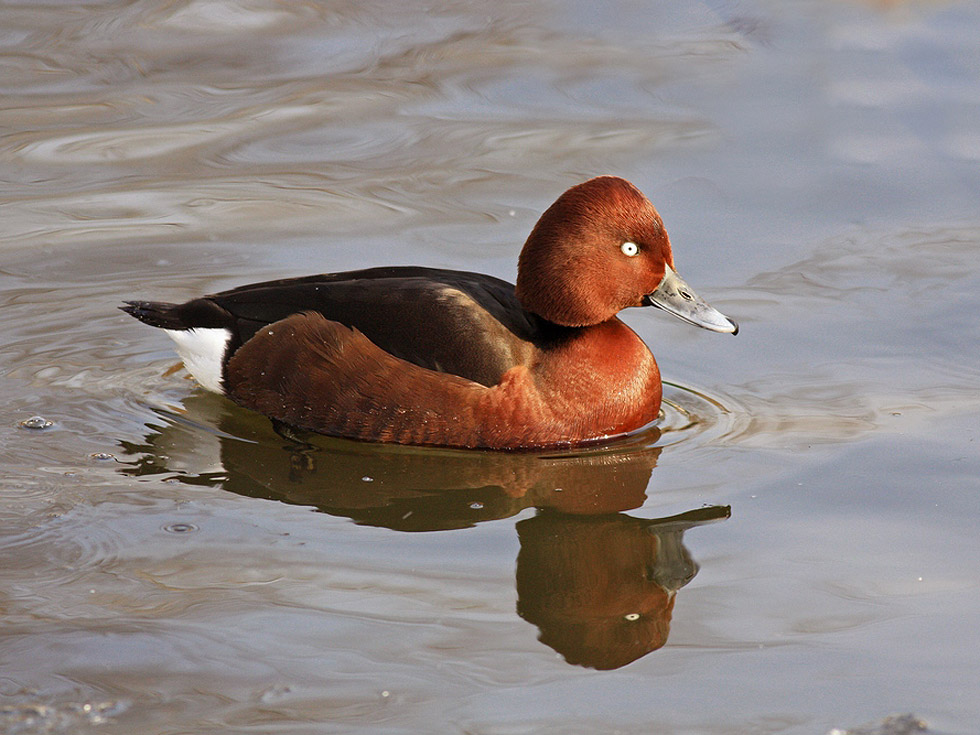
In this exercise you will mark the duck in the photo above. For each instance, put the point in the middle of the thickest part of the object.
(436, 357)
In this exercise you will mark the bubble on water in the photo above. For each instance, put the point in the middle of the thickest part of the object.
(367, 478)
(180, 528)
(36, 423)
(102, 457)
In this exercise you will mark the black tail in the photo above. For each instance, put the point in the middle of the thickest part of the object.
(156, 313)
(202, 312)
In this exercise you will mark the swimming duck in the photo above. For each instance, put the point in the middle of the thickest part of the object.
(427, 356)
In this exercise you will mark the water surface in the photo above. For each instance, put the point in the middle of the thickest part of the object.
(792, 549)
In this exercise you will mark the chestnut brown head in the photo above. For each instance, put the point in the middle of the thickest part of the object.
(600, 248)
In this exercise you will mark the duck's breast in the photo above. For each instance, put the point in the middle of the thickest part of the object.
(599, 381)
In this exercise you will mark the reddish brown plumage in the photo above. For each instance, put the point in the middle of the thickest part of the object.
(571, 271)
(597, 380)
(350, 387)
(430, 356)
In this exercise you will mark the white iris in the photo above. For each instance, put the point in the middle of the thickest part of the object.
(629, 248)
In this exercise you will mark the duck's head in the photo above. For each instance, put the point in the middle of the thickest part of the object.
(600, 248)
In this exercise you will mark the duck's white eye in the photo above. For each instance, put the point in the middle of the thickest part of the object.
(629, 248)
(632, 617)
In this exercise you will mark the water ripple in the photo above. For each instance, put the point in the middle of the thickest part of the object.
(47, 718)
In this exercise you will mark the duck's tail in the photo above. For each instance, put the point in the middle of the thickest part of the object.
(195, 314)
(156, 314)
(202, 330)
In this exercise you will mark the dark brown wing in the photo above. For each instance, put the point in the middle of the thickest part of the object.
(464, 324)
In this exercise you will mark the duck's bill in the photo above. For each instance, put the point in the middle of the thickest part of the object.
(677, 298)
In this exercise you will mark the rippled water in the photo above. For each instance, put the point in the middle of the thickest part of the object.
(792, 548)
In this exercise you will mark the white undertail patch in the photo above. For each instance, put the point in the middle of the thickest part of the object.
(203, 350)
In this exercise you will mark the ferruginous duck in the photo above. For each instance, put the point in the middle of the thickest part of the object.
(449, 358)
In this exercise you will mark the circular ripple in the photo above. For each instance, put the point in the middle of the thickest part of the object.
(180, 528)
(689, 414)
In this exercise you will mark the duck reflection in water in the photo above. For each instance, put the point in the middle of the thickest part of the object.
(598, 584)
(601, 588)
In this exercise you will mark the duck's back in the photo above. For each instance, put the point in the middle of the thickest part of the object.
(455, 322)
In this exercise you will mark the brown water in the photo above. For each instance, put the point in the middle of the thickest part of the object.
(165, 568)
